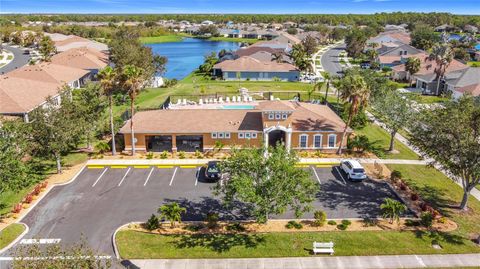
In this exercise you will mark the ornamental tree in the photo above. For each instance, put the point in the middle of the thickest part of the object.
(267, 181)
(450, 134)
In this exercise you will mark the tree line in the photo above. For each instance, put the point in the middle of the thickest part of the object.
(412, 18)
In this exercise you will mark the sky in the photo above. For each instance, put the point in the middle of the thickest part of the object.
(239, 6)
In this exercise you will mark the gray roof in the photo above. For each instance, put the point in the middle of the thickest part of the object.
(465, 77)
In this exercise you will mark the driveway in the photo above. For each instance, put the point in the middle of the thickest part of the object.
(19, 59)
(331, 60)
(100, 200)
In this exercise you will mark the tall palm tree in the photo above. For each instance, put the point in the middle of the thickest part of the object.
(324, 84)
(442, 54)
(133, 81)
(412, 66)
(108, 78)
(356, 92)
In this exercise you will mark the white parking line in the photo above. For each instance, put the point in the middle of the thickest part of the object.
(173, 176)
(40, 241)
(98, 179)
(197, 175)
(316, 175)
(341, 176)
(148, 177)
(120, 183)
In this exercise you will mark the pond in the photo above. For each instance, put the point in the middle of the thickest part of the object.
(185, 56)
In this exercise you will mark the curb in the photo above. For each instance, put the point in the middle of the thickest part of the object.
(7, 247)
(114, 235)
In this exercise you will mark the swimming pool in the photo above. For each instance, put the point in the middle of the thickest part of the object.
(238, 107)
(477, 47)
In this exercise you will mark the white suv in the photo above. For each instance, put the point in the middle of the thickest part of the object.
(354, 170)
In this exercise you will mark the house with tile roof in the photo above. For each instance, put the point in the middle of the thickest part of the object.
(298, 125)
(398, 37)
(464, 81)
(395, 54)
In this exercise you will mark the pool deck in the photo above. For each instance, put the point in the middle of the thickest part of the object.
(230, 105)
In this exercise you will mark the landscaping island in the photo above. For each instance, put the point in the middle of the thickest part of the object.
(10, 233)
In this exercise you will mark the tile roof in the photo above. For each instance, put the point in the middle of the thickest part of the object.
(195, 121)
(249, 64)
(49, 72)
(474, 89)
(304, 117)
(84, 58)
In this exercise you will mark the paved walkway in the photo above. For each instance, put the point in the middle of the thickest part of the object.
(186, 162)
(474, 192)
(387, 261)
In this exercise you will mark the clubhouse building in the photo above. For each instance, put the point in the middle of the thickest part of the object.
(298, 125)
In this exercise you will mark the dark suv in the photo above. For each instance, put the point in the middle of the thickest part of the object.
(212, 172)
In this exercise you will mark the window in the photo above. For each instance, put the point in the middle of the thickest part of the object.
(214, 135)
(247, 135)
(317, 141)
(254, 135)
(240, 135)
(278, 116)
(227, 135)
(332, 140)
(303, 140)
(270, 116)
(220, 135)
(284, 116)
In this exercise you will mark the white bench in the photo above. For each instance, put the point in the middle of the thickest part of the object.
(319, 247)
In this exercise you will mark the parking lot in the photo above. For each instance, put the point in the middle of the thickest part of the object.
(101, 199)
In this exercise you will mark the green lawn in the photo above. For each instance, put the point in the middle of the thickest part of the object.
(432, 185)
(10, 233)
(9, 57)
(197, 84)
(426, 99)
(44, 168)
(474, 63)
(231, 39)
(382, 137)
(444, 194)
(160, 39)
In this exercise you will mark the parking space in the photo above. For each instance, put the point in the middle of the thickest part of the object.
(103, 198)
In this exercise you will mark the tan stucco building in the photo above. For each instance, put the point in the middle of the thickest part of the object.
(299, 126)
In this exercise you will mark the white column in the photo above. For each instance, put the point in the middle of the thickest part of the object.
(265, 137)
(289, 139)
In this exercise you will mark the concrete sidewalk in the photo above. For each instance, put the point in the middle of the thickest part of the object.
(197, 162)
(360, 262)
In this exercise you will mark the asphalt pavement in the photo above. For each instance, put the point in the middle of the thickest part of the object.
(20, 59)
(331, 60)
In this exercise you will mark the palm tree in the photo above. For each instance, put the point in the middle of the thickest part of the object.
(300, 58)
(277, 57)
(172, 212)
(392, 209)
(356, 92)
(325, 83)
(108, 77)
(133, 82)
(442, 54)
(412, 66)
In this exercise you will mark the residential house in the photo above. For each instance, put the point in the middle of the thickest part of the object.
(392, 54)
(398, 37)
(66, 42)
(463, 81)
(249, 68)
(299, 126)
(426, 78)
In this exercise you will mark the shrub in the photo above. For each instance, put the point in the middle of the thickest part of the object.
(181, 154)
(164, 154)
(332, 222)
(36, 191)
(236, 227)
(293, 224)
(346, 222)
(150, 155)
(426, 219)
(17, 208)
(342, 227)
(44, 184)
(28, 198)
(368, 222)
(152, 223)
(212, 220)
(198, 154)
(414, 196)
(396, 175)
(403, 186)
(442, 220)
(424, 206)
(102, 147)
(320, 218)
(194, 227)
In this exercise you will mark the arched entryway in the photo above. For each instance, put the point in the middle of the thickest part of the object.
(274, 135)
(276, 138)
